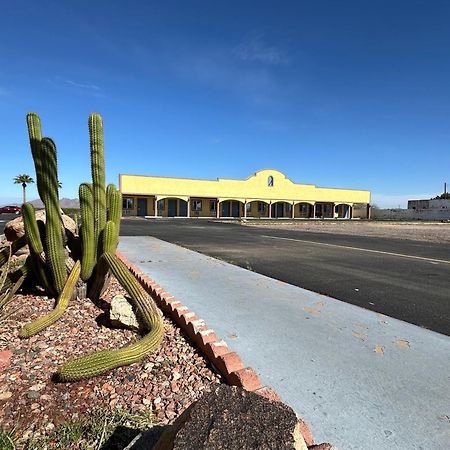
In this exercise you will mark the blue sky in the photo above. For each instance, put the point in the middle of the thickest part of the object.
(336, 93)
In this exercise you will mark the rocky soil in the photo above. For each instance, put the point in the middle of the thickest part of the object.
(166, 382)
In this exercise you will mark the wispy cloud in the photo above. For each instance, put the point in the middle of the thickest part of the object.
(254, 49)
(218, 68)
(91, 87)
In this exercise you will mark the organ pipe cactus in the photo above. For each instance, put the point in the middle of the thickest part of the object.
(59, 262)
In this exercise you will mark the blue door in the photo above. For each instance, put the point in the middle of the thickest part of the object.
(172, 207)
(235, 209)
(279, 210)
(183, 208)
(226, 209)
(142, 207)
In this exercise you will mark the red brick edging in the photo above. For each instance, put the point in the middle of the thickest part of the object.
(229, 364)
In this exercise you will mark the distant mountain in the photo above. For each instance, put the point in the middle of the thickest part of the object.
(63, 203)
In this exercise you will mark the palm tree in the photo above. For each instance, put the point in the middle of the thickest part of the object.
(23, 180)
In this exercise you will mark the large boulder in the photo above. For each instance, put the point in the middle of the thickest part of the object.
(14, 229)
(230, 418)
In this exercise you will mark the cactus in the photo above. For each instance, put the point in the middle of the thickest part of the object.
(37, 253)
(61, 261)
(98, 176)
(45, 161)
(87, 230)
(63, 301)
(100, 362)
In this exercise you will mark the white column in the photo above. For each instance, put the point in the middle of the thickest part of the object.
(293, 210)
(156, 206)
(314, 211)
(189, 207)
(270, 209)
(218, 209)
(245, 209)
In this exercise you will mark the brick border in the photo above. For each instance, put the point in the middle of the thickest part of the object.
(216, 351)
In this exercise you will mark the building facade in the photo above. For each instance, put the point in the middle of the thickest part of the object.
(266, 194)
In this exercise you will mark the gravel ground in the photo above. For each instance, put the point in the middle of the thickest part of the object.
(166, 381)
(416, 231)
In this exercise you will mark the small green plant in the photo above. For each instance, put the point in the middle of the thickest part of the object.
(6, 294)
(92, 431)
(8, 439)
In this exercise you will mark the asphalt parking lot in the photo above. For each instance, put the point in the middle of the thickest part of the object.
(408, 280)
(405, 279)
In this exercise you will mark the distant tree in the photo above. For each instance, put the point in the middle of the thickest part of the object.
(24, 180)
(444, 196)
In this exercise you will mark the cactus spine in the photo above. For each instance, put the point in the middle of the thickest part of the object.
(63, 302)
(100, 362)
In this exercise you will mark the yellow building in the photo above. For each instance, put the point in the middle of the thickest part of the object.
(266, 194)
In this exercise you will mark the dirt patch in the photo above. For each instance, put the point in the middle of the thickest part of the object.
(415, 231)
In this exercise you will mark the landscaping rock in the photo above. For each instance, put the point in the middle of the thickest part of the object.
(231, 418)
(14, 229)
(121, 313)
(5, 359)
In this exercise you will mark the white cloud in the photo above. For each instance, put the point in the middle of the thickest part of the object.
(399, 200)
(255, 50)
(92, 87)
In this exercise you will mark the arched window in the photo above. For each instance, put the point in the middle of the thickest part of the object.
(270, 181)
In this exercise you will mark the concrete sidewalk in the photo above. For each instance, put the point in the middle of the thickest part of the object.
(361, 380)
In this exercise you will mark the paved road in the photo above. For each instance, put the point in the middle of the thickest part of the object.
(407, 280)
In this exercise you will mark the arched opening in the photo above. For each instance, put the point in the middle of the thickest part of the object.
(257, 209)
(343, 211)
(270, 181)
(231, 208)
(324, 210)
(172, 207)
(281, 210)
(304, 210)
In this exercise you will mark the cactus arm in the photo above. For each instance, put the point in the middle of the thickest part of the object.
(87, 230)
(114, 213)
(54, 237)
(31, 229)
(109, 237)
(37, 254)
(35, 136)
(100, 362)
(98, 176)
(63, 301)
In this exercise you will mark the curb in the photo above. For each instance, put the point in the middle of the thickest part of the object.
(216, 351)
